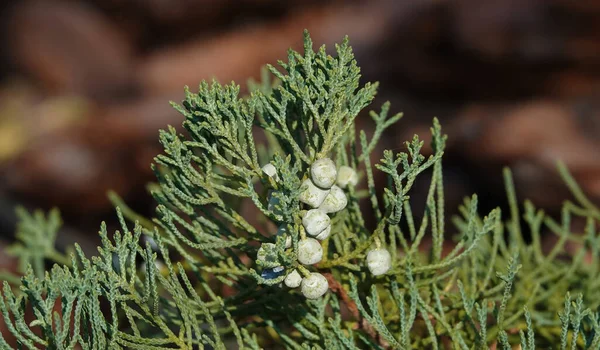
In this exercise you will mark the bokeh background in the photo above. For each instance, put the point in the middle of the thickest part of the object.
(85, 86)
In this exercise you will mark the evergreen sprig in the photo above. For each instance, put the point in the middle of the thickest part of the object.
(201, 280)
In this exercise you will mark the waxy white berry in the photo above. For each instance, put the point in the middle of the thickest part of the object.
(346, 176)
(379, 261)
(293, 279)
(324, 234)
(335, 201)
(314, 286)
(315, 221)
(309, 251)
(271, 172)
(311, 194)
(323, 172)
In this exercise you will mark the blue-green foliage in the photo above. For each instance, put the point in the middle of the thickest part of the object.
(195, 283)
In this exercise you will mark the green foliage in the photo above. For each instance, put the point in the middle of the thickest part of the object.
(36, 236)
(197, 283)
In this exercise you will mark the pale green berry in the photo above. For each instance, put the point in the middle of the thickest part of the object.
(323, 172)
(379, 261)
(311, 194)
(346, 176)
(271, 172)
(324, 234)
(335, 201)
(293, 279)
(309, 251)
(314, 286)
(315, 221)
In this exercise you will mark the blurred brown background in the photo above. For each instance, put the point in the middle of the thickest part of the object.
(85, 86)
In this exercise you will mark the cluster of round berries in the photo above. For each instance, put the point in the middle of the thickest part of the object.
(323, 191)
